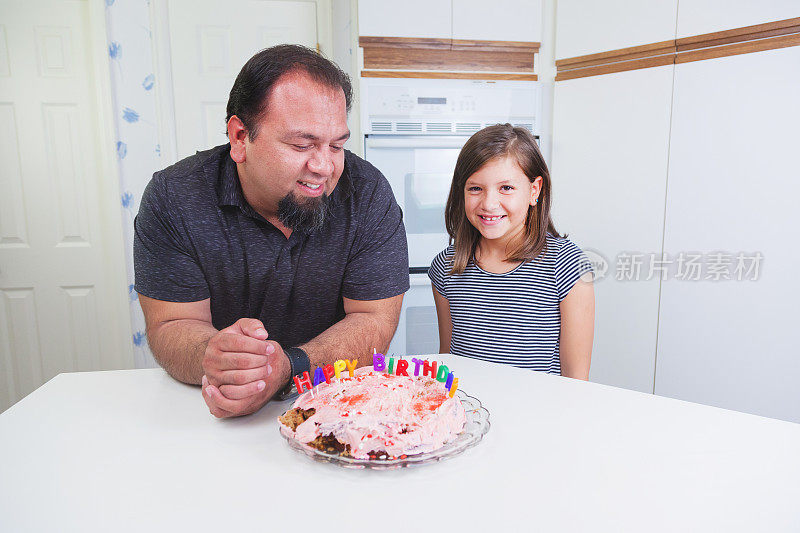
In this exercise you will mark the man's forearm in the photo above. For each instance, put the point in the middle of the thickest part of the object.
(353, 337)
(179, 346)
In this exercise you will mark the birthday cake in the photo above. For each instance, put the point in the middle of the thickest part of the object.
(378, 414)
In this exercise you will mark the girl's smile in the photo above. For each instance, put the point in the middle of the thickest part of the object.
(490, 220)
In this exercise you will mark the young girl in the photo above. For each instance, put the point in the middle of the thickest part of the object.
(509, 288)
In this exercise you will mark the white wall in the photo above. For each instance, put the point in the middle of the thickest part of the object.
(345, 54)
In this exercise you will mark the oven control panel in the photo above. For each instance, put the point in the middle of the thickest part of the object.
(397, 105)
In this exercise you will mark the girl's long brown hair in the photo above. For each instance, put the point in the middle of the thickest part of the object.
(487, 144)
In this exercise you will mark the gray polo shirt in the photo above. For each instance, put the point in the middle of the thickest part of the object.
(196, 237)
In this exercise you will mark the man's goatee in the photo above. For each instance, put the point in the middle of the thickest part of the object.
(305, 216)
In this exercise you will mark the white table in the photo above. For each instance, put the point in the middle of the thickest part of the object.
(136, 451)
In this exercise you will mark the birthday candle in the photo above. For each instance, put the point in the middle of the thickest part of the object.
(306, 380)
(319, 376)
(402, 366)
(429, 367)
(338, 367)
(454, 387)
(441, 376)
(378, 362)
(391, 365)
(328, 371)
(417, 363)
(351, 366)
(449, 382)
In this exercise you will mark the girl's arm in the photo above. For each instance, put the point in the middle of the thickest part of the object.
(577, 330)
(445, 325)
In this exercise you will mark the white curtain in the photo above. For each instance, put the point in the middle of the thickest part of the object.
(138, 150)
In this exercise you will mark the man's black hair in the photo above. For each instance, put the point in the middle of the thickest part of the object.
(251, 90)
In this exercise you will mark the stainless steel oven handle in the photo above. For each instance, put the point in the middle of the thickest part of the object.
(416, 142)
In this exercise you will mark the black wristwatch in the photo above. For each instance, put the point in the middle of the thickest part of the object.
(299, 363)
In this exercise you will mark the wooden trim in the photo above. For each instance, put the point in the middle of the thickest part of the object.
(496, 46)
(447, 75)
(620, 66)
(424, 59)
(749, 33)
(404, 42)
(739, 48)
(769, 36)
(623, 54)
(450, 44)
(420, 54)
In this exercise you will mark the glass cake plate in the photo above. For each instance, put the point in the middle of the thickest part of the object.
(476, 427)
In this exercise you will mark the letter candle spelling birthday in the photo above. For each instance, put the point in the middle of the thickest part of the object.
(402, 366)
(429, 368)
(442, 374)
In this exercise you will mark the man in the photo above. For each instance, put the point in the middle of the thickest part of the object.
(277, 253)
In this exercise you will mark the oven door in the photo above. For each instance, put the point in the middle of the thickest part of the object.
(418, 330)
(419, 169)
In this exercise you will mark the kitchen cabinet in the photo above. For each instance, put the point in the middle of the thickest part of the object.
(733, 188)
(502, 20)
(724, 331)
(609, 169)
(697, 17)
(409, 18)
(584, 28)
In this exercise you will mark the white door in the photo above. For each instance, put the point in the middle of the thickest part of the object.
(209, 43)
(609, 172)
(63, 301)
(507, 20)
(410, 18)
(584, 28)
(418, 329)
(727, 334)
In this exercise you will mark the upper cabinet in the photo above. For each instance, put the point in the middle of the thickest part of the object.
(609, 174)
(409, 18)
(697, 17)
(500, 20)
(727, 332)
(451, 38)
(585, 28)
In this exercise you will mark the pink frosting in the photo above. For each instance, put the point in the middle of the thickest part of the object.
(375, 411)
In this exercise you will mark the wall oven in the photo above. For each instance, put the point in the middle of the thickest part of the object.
(413, 132)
